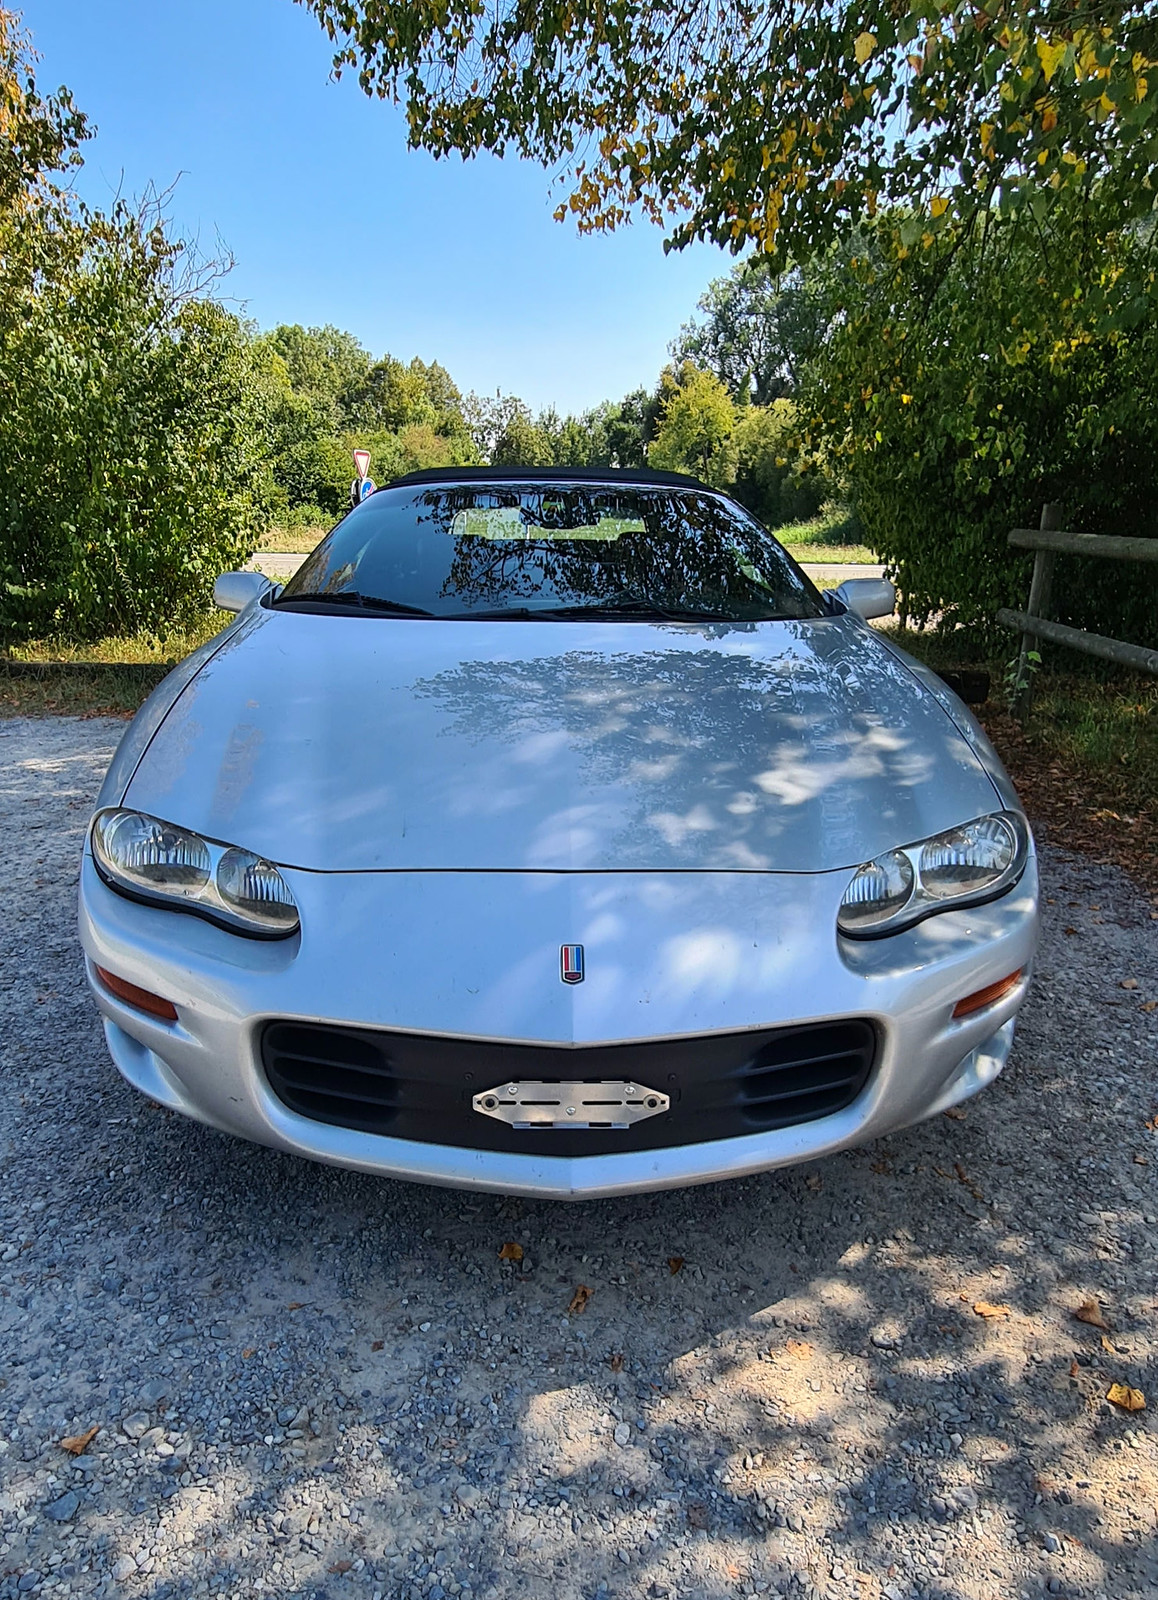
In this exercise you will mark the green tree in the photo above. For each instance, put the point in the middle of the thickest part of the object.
(324, 367)
(755, 330)
(776, 124)
(773, 479)
(697, 430)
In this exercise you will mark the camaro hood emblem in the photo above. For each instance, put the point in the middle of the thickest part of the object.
(571, 963)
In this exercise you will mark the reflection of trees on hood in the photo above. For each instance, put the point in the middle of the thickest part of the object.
(699, 716)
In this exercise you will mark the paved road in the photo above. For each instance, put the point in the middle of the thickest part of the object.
(316, 1385)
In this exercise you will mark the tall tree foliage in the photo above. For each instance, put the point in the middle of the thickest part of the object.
(771, 122)
(755, 330)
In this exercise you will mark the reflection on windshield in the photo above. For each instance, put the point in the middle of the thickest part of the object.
(521, 551)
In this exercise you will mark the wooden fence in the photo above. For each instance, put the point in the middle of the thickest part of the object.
(1033, 623)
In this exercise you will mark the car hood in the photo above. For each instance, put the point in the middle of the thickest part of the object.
(340, 743)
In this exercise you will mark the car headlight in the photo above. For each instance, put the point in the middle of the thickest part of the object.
(963, 866)
(162, 864)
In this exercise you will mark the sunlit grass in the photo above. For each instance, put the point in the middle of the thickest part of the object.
(290, 541)
(828, 554)
(121, 648)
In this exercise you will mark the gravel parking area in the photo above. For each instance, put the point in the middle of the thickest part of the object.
(861, 1378)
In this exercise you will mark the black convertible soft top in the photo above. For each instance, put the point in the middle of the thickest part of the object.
(547, 475)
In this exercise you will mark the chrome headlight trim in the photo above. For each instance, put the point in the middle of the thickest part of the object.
(194, 887)
(928, 901)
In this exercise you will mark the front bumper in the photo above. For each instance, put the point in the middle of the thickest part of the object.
(475, 956)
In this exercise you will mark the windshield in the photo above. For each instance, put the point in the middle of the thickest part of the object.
(543, 551)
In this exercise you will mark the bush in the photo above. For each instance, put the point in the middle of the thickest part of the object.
(130, 430)
(961, 401)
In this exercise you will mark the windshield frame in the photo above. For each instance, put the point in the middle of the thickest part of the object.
(808, 603)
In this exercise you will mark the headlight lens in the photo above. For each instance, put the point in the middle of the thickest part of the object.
(257, 890)
(166, 865)
(963, 866)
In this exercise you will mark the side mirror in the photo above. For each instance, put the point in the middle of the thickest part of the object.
(867, 597)
(233, 591)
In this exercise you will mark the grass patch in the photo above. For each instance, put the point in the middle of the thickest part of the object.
(163, 650)
(834, 555)
(102, 690)
(290, 541)
(109, 677)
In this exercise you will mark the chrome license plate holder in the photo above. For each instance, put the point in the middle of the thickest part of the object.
(612, 1103)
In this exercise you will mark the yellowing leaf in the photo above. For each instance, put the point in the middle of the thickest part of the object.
(906, 399)
(1120, 1394)
(984, 1308)
(1050, 55)
(511, 1252)
(938, 205)
(79, 1443)
(865, 44)
(1049, 119)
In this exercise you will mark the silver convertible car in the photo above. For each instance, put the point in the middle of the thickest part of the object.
(550, 833)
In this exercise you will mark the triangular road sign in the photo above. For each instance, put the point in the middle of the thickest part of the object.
(361, 463)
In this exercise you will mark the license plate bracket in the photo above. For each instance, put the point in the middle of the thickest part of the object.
(606, 1104)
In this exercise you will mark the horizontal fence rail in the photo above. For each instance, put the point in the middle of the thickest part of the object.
(1093, 644)
(1109, 545)
(1033, 624)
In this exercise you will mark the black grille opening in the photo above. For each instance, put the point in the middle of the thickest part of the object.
(414, 1086)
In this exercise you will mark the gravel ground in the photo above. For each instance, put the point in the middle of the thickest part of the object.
(311, 1383)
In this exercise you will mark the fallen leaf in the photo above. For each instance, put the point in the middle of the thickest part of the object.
(814, 1181)
(1141, 1161)
(984, 1308)
(1090, 1312)
(880, 1167)
(675, 1264)
(1149, 1005)
(616, 1363)
(1127, 1399)
(249, 1350)
(1108, 1347)
(1070, 932)
(341, 1566)
(579, 1300)
(1128, 983)
(956, 1113)
(511, 1252)
(79, 1443)
(800, 1348)
(295, 1305)
(1074, 1369)
(377, 1344)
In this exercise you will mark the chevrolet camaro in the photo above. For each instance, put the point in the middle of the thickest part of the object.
(549, 832)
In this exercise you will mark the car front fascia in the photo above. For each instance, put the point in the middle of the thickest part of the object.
(207, 1064)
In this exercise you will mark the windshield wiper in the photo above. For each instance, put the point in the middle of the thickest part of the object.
(629, 610)
(351, 597)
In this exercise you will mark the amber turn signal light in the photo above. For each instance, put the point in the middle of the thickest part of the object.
(143, 999)
(987, 996)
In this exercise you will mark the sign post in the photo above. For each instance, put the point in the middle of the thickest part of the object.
(363, 485)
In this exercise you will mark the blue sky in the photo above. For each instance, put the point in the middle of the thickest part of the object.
(331, 218)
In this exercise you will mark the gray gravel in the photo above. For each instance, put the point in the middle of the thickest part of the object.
(310, 1383)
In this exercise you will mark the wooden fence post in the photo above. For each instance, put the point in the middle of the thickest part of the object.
(1039, 597)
